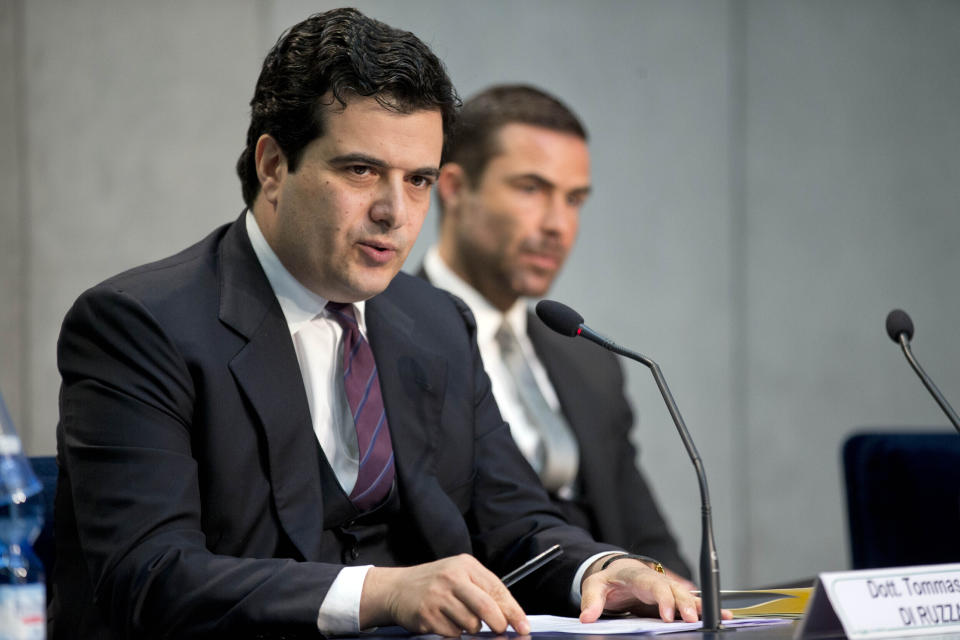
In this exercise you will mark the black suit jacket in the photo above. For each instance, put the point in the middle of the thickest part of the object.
(190, 498)
(614, 502)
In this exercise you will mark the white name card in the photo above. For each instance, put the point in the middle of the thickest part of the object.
(882, 603)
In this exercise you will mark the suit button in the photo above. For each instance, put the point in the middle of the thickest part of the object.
(354, 552)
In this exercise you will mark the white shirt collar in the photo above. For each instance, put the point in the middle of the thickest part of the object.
(489, 318)
(299, 304)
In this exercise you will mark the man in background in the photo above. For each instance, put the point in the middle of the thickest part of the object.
(516, 176)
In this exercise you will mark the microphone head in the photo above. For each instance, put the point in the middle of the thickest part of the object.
(899, 322)
(559, 317)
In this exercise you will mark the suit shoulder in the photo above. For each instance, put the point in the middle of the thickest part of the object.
(170, 271)
(577, 351)
(181, 285)
(436, 312)
(415, 292)
(404, 284)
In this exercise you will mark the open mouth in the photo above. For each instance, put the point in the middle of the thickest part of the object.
(377, 251)
(376, 246)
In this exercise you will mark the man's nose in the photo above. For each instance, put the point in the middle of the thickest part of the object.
(389, 207)
(558, 214)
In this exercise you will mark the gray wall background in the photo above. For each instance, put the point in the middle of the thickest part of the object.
(771, 178)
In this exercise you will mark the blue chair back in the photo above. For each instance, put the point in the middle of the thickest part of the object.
(46, 470)
(903, 498)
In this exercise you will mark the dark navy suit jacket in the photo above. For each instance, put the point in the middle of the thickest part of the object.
(191, 499)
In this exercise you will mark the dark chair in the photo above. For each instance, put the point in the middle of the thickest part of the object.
(903, 498)
(46, 470)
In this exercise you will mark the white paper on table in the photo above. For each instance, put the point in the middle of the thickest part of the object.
(612, 626)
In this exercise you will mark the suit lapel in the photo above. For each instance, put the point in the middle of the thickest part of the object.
(413, 382)
(268, 373)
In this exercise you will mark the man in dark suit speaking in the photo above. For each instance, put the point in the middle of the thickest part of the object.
(516, 174)
(273, 432)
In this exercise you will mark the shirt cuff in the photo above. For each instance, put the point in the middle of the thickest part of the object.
(578, 576)
(340, 610)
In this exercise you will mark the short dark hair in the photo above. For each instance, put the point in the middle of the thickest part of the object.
(341, 52)
(475, 141)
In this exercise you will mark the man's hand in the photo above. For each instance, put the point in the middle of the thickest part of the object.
(676, 577)
(633, 586)
(446, 597)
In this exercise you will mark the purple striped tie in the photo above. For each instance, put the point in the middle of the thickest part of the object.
(376, 472)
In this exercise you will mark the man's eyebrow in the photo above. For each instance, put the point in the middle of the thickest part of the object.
(431, 172)
(536, 177)
(361, 158)
(358, 158)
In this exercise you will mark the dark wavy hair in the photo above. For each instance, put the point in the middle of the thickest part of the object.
(475, 139)
(343, 53)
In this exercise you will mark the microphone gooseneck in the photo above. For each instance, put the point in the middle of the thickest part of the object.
(568, 322)
(900, 330)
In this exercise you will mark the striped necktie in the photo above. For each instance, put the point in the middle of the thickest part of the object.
(360, 380)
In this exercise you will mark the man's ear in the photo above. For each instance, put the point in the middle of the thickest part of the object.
(271, 167)
(451, 185)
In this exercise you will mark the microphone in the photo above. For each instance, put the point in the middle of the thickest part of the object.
(568, 322)
(899, 322)
(900, 330)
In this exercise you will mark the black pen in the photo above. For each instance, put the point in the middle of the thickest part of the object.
(531, 565)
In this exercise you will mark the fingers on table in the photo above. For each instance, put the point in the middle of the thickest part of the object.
(484, 598)
(593, 598)
(687, 604)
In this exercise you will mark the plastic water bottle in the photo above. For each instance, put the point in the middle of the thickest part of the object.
(23, 593)
(22, 585)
